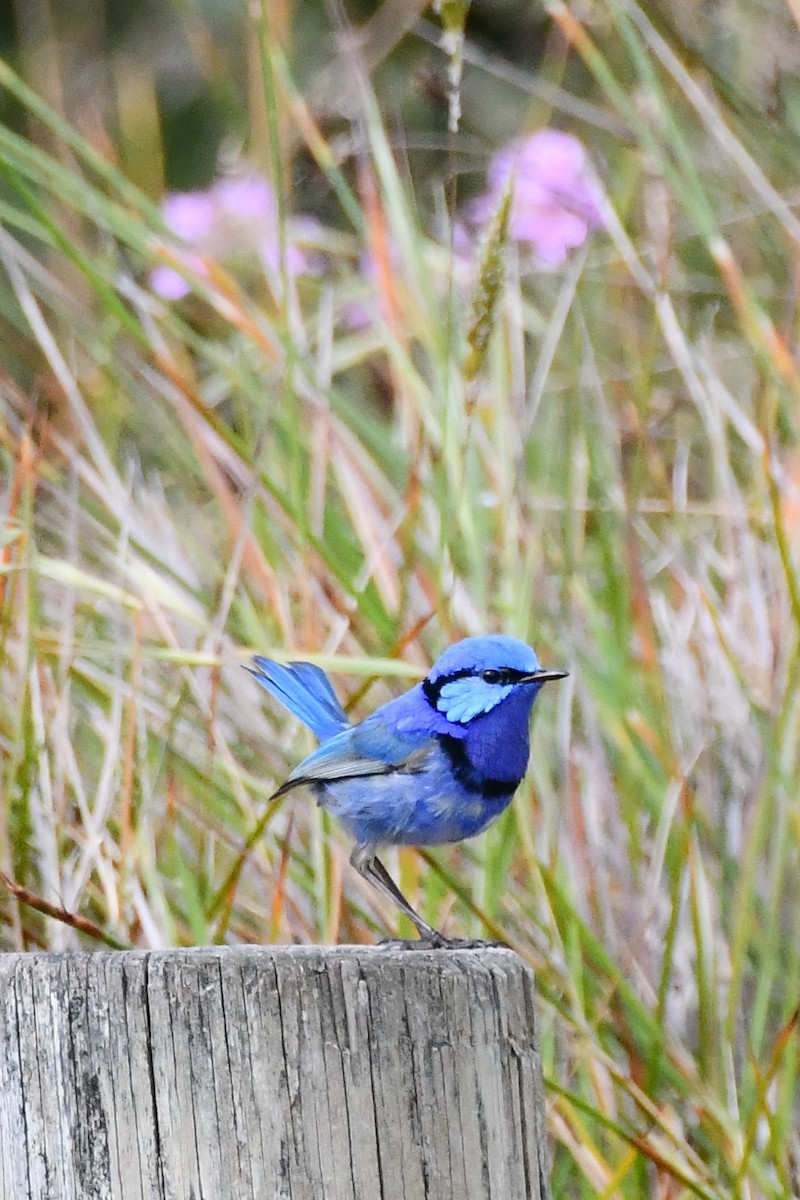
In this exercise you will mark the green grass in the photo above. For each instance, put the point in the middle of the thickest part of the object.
(602, 461)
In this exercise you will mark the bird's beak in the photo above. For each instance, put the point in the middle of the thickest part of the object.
(543, 675)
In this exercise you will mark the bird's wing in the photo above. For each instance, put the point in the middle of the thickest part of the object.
(371, 748)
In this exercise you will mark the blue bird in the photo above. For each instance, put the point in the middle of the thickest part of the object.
(436, 765)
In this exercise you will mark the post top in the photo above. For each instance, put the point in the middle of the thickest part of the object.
(409, 955)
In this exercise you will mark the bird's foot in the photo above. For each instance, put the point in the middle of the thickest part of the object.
(391, 943)
(471, 944)
(440, 942)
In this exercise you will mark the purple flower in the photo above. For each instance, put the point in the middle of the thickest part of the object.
(555, 202)
(245, 198)
(189, 214)
(168, 284)
(235, 221)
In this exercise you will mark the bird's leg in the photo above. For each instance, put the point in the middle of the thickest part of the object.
(383, 881)
(370, 867)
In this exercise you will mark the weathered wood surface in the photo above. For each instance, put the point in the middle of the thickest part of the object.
(261, 1073)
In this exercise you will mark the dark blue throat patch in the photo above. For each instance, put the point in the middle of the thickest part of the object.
(469, 776)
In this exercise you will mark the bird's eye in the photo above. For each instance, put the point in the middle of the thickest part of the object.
(492, 676)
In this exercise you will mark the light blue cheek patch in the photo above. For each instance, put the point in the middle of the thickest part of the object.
(462, 699)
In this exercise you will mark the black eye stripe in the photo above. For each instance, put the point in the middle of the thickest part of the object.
(432, 688)
(504, 676)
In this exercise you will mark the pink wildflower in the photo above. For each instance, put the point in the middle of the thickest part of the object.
(555, 202)
(189, 214)
(235, 220)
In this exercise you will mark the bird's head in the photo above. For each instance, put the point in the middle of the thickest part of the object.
(475, 675)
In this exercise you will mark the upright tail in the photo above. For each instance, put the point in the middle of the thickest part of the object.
(306, 691)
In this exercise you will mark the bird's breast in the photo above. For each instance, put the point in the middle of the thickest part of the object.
(428, 807)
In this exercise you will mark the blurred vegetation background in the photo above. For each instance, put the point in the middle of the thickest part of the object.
(372, 441)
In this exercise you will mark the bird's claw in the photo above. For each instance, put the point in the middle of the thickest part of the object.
(391, 943)
(470, 944)
(440, 942)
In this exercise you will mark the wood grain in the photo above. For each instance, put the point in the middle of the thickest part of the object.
(270, 1073)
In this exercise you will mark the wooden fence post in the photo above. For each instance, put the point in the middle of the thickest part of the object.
(270, 1073)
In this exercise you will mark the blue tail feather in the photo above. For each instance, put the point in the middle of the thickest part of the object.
(306, 691)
